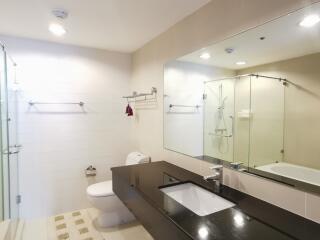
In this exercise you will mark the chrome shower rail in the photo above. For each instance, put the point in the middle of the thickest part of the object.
(81, 104)
(250, 75)
(8, 55)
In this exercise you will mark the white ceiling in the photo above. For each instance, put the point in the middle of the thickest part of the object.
(119, 25)
(284, 39)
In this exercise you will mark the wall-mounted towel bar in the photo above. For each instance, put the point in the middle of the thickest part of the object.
(135, 94)
(187, 106)
(140, 97)
(81, 104)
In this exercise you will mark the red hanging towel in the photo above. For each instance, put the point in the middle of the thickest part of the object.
(127, 109)
(130, 111)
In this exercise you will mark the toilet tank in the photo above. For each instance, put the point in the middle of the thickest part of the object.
(137, 158)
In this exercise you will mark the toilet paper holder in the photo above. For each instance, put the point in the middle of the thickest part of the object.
(91, 171)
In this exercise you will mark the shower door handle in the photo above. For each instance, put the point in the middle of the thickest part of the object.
(232, 126)
(15, 152)
(16, 146)
(10, 153)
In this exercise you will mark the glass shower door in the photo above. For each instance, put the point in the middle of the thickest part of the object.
(9, 151)
(2, 160)
(14, 147)
(4, 139)
(267, 121)
(219, 119)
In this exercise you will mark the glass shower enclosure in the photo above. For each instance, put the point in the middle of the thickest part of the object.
(9, 158)
(244, 119)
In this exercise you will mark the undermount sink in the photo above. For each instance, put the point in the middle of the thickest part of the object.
(197, 199)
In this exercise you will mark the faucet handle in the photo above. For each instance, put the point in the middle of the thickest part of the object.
(216, 167)
(236, 165)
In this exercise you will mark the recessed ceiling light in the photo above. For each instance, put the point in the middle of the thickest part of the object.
(205, 56)
(241, 63)
(57, 29)
(310, 21)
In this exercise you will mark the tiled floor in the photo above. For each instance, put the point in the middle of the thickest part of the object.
(52, 229)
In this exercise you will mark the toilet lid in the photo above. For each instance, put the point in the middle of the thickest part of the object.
(101, 189)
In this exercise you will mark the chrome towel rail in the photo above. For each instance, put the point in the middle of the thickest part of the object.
(81, 104)
(136, 95)
(187, 106)
(143, 97)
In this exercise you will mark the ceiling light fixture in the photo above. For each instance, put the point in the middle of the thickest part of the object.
(310, 21)
(205, 56)
(57, 28)
(241, 63)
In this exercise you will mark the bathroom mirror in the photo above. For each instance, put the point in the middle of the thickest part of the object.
(252, 100)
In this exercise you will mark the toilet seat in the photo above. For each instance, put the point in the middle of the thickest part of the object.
(101, 189)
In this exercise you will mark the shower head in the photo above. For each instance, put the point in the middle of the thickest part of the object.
(223, 103)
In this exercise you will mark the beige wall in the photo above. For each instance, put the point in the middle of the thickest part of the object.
(214, 22)
(302, 118)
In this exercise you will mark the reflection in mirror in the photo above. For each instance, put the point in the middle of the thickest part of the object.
(218, 119)
(226, 119)
(267, 121)
(252, 99)
(206, 111)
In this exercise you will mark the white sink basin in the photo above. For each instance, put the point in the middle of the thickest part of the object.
(197, 199)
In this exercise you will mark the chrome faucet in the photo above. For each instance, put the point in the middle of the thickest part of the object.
(216, 177)
(236, 165)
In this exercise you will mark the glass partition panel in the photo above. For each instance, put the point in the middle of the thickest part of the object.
(242, 120)
(2, 157)
(9, 187)
(14, 144)
(4, 139)
(267, 122)
(219, 119)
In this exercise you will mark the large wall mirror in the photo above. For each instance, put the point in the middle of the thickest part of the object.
(252, 99)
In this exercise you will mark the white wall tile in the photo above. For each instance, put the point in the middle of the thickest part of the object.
(60, 141)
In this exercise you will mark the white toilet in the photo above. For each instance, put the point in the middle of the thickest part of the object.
(112, 211)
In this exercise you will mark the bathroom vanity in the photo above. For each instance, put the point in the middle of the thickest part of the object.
(161, 196)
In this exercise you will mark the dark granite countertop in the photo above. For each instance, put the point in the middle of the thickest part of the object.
(258, 219)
